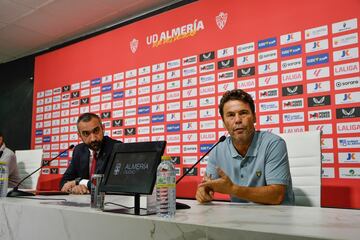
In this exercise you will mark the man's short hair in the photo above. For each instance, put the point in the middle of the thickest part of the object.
(86, 117)
(236, 94)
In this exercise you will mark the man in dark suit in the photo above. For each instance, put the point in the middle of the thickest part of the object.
(89, 157)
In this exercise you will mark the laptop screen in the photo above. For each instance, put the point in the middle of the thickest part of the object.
(132, 167)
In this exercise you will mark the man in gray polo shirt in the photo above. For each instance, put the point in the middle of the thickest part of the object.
(250, 165)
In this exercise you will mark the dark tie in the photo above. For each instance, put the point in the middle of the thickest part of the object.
(93, 164)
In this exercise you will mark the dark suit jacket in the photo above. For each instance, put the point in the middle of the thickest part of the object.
(79, 166)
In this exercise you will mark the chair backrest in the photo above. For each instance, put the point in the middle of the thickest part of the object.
(28, 161)
(304, 151)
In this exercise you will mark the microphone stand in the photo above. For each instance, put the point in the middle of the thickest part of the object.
(15, 192)
(183, 205)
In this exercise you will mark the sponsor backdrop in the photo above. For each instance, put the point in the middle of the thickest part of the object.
(161, 79)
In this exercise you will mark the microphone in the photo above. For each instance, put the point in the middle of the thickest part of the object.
(182, 205)
(15, 192)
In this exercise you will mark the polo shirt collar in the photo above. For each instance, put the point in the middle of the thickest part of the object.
(252, 151)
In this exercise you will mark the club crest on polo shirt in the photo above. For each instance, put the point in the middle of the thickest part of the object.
(258, 173)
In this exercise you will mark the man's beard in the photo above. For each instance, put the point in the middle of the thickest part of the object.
(95, 145)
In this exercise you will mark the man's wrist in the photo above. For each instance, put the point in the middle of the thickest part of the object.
(77, 181)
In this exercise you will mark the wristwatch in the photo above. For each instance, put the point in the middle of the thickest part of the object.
(77, 181)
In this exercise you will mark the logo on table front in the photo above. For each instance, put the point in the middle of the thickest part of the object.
(117, 168)
(134, 45)
(221, 20)
(258, 173)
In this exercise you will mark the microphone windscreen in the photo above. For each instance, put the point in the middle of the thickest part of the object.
(71, 146)
(222, 138)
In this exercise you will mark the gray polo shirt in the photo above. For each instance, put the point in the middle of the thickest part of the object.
(266, 162)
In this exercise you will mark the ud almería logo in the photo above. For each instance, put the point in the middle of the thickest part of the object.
(221, 20)
(134, 45)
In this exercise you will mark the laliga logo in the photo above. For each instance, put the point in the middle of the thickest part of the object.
(221, 20)
(134, 45)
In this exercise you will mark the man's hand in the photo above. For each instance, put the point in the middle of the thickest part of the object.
(221, 185)
(204, 194)
(79, 189)
(68, 186)
(71, 187)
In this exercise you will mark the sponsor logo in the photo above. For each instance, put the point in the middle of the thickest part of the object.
(269, 119)
(193, 172)
(173, 106)
(189, 115)
(173, 138)
(173, 127)
(345, 40)
(323, 128)
(294, 129)
(346, 98)
(189, 60)
(189, 148)
(347, 83)
(225, 75)
(291, 51)
(129, 83)
(221, 20)
(293, 117)
(158, 67)
(144, 110)
(245, 60)
(317, 59)
(106, 88)
(189, 71)
(293, 104)
(130, 73)
(119, 76)
(209, 101)
(245, 84)
(317, 73)
(318, 87)
(316, 32)
(173, 85)
(290, 38)
(246, 47)
(130, 131)
(207, 56)
(225, 63)
(134, 44)
(130, 121)
(292, 90)
(205, 147)
(170, 117)
(270, 42)
(207, 79)
(349, 173)
(291, 64)
(348, 127)
(171, 64)
(268, 68)
(95, 81)
(75, 94)
(207, 90)
(349, 142)
(225, 87)
(327, 173)
(66, 88)
(268, 80)
(207, 124)
(291, 77)
(319, 101)
(105, 115)
(317, 46)
(143, 130)
(209, 67)
(191, 137)
(157, 129)
(268, 93)
(189, 126)
(344, 26)
(346, 68)
(269, 106)
(245, 72)
(319, 115)
(265, 56)
(346, 54)
(349, 157)
(144, 120)
(225, 52)
(207, 136)
(327, 157)
(117, 123)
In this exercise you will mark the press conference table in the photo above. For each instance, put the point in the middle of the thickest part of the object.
(53, 219)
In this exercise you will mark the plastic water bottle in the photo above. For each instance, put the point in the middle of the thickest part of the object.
(3, 179)
(166, 188)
